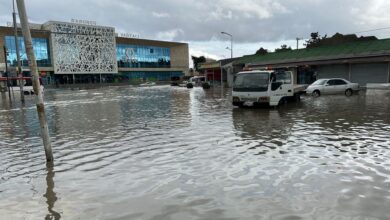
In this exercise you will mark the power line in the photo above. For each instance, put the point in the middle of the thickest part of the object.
(378, 29)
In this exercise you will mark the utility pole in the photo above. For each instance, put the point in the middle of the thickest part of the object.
(35, 79)
(298, 39)
(19, 73)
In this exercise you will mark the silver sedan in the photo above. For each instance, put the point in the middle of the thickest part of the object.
(332, 86)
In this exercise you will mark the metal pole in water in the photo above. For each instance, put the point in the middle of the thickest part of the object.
(220, 65)
(19, 73)
(6, 71)
(35, 78)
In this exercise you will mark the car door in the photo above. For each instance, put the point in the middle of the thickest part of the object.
(340, 86)
(329, 87)
(281, 84)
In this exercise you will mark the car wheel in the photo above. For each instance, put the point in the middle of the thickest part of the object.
(348, 92)
(316, 93)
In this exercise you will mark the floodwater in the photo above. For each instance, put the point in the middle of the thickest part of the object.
(175, 153)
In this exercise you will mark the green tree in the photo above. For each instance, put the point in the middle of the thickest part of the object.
(261, 51)
(197, 60)
(282, 48)
(315, 40)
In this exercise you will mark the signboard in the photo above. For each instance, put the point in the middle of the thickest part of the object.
(80, 21)
(129, 35)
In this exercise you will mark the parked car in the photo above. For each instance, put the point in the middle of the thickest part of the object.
(332, 86)
(196, 81)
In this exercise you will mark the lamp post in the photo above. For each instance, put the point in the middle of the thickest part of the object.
(231, 43)
(228, 48)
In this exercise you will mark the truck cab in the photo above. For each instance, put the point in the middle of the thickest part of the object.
(264, 87)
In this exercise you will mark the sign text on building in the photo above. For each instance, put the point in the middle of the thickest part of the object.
(129, 35)
(79, 21)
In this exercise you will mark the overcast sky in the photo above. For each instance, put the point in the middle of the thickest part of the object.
(253, 23)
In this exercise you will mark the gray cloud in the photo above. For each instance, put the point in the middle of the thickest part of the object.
(202, 20)
(254, 23)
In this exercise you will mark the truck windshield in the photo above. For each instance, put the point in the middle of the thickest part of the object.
(251, 82)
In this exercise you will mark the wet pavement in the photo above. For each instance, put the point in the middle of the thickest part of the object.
(174, 153)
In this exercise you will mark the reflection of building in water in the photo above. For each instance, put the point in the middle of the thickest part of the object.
(180, 105)
(87, 53)
(86, 113)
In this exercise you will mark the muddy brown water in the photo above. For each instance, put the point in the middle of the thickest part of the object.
(175, 153)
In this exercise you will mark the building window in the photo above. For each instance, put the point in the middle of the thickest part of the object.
(41, 51)
(139, 56)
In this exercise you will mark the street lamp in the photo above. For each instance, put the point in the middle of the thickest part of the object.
(231, 43)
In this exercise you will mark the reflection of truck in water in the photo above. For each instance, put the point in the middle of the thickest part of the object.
(251, 88)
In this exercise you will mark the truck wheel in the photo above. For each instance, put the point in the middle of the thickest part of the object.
(189, 85)
(316, 93)
(238, 104)
(348, 92)
(282, 101)
(297, 97)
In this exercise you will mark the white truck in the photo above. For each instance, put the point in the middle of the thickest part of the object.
(265, 87)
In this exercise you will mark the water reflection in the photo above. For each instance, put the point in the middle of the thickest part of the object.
(50, 195)
(174, 153)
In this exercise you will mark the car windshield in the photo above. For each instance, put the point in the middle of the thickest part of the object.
(320, 82)
(256, 82)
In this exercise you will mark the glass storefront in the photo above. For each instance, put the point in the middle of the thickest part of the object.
(140, 56)
(41, 51)
(122, 77)
(150, 76)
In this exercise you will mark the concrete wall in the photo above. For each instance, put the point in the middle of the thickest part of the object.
(180, 57)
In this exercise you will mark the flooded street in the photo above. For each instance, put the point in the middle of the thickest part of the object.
(174, 153)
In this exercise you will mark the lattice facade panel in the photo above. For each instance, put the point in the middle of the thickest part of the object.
(83, 48)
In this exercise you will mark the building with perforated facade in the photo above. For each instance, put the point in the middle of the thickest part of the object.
(69, 52)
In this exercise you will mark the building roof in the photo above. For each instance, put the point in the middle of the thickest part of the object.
(359, 49)
(216, 64)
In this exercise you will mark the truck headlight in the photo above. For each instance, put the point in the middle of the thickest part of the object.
(236, 99)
